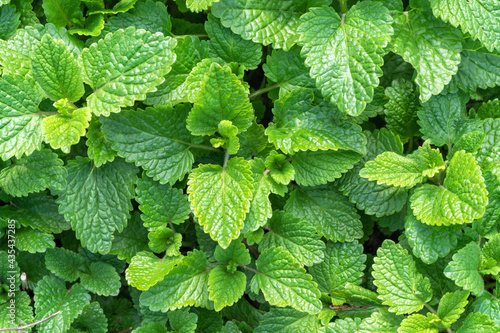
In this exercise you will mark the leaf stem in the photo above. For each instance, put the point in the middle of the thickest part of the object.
(343, 6)
(22, 328)
(264, 90)
(250, 269)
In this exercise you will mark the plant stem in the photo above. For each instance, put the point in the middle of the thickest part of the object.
(264, 90)
(343, 6)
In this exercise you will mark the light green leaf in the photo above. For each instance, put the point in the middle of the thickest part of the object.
(65, 264)
(281, 171)
(344, 325)
(184, 285)
(146, 269)
(161, 204)
(124, 66)
(99, 149)
(51, 296)
(20, 121)
(418, 323)
(328, 211)
(295, 236)
(164, 239)
(93, 26)
(230, 47)
(477, 17)
(92, 319)
(56, 70)
(64, 130)
(151, 327)
(225, 287)
(344, 263)
(132, 240)
(322, 166)
(430, 242)
(229, 139)
(401, 109)
(487, 156)
(398, 282)
(463, 269)
(298, 124)
(235, 253)
(490, 109)
(34, 173)
(285, 283)
(153, 139)
(34, 241)
(182, 321)
(199, 5)
(381, 322)
(220, 198)
(264, 22)
(97, 201)
(102, 279)
(120, 7)
(491, 250)
(63, 12)
(489, 305)
(356, 295)
(477, 322)
(431, 46)
(345, 53)
(451, 306)
(230, 327)
(9, 19)
(470, 142)
(490, 221)
(222, 97)
(461, 199)
(287, 320)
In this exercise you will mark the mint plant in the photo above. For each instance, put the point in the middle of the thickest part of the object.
(250, 166)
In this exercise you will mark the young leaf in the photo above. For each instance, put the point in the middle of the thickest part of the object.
(146, 269)
(225, 287)
(199, 5)
(167, 157)
(461, 199)
(398, 282)
(164, 239)
(182, 321)
(134, 63)
(294, 236)
(491, 219)
(284, 282)
(280, 170)
(381, 322)
(220, 198)
(63, 13)
(92, 319)
(431, 46)
(284, 320)
(64, 130)
(451, 306)
(34, 173)
(184, 285)
(235, 253)
(328, 211)
(463, 269)
(97, 201)
(477, 322)
(418, 323)
(490, 109)
(99, 149)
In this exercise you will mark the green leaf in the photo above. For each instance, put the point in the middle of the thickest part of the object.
(487, 156)
(56, 70)
(184, 285)
(164, 239)
(229, 139)
(430, 242)
(298, 124)
(328, 211)
(294, 236)
(220, 198)
(322, 166)
(345, 53)
(490, 109)
(229, 46)
(102, 279)
(199, 5)
(51, 296)
(344, 263)
(477, 17)
(120, 7)
(235, 253)
(418, 323)
(151, 327)
(430, 46)
(97, 201)
(230, 327)
(182, 321)
(134, 63)
(398, 282)
(461, 199)
(34, 241)
(477, 322)
(23, 314)
(222, 97)
(225, 287)
(146, 269)
(63, 12)
(264, 22)
(62, 131)
(381, 322)
(344, 325)
(470, 142)
(65, 264)
(92, 319)
(161, 204)
(20, 121)
(489, 222)
(132, 240)
(93, 26)
(281, 171)
(286, 320)
(34, 173)
(285, 283)
(491, 250)
(463, 269)
(253, 141)
(489, 305)
(10, 21)
(401, 109)
(405, 171)
(153, 139)
(451, 306)
(99, 149)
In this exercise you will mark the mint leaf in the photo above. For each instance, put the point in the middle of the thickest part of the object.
(235, 253)
(24, 312)
(10, 21)
(225, 287)
(146, 269)
(489, 305)
(102, 279)
(63, 12)
(281, 171)
(451, 306)
(463, 269)
(182, 321)
(282, 320)
(34, 241)
(165, 239)
(92, 319)
(99, 149)
(345, 53)
(199, 5)
(65, 264)
(132, 240)
(477, 322)
(64, 130)
(419, 323)
(488, 156)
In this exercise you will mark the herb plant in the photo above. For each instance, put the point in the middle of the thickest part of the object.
(250, 166)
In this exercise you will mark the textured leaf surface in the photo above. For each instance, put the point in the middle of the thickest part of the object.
(63, 131)
(24, 312)
(294, 236)
(381, 322)
(56, 70)
(34, 241)
(398, 282)
(419, 323)
(97, 201)
(284, 282)
(480, 18)
(235, 253)
(431, 46)
(487, 155)
(461, 199)
(102, 279)
(132, 240)
(92, 319)
(463, 269)
(99, 149)
(185, 285)
(65, 264)
(451, 306)
(344, 262)
(155, 139)
(285, 320)
(345, 54)
(281, 170)
(199, 5)
(220, 198)
(10, 21)
(401, 109)
(328, 211)
(63, 12)
(225, 288)
(146, 269)
(182, 321)
(489, 305)
(477, 322)
(34, 173)
(124, 66)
